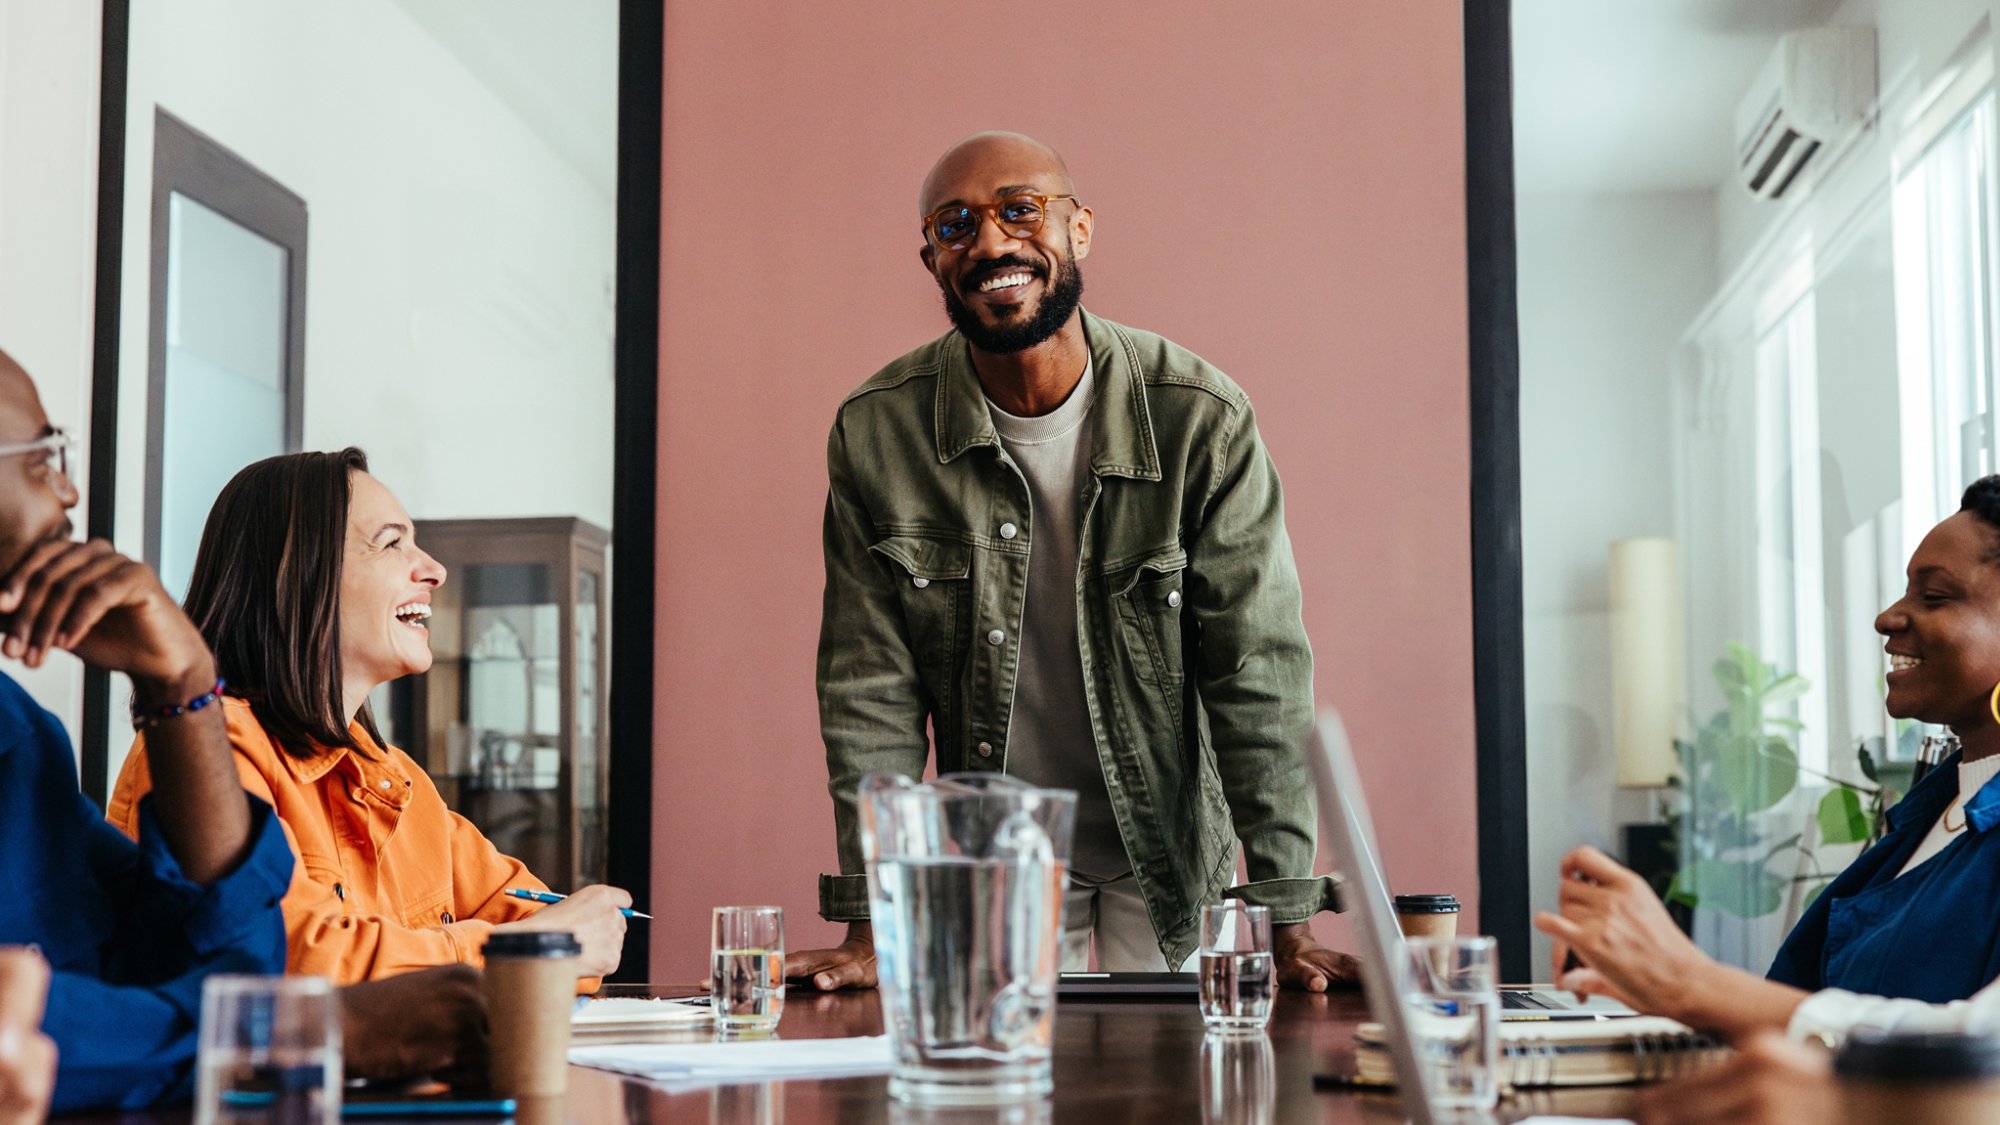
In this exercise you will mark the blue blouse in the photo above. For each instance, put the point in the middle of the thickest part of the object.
(1934, 933)
(129, 937)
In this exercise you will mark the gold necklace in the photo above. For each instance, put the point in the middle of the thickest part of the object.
(1947, 818)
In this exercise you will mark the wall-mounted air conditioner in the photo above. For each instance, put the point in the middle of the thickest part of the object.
(1811, 96)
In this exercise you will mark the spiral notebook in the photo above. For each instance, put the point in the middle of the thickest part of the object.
(1580, 1053)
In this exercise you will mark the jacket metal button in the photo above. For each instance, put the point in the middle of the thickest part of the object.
(997, 636)
(1174, 599)
(1008, 531)
(920, 583)
(986, 749)
(384, 783)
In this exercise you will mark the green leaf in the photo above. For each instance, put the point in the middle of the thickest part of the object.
(1785, 689)
(1757, 773)
(1729, 676)
(1841, 819)
(1741, 888)
(1814, 896)
(1868, 764)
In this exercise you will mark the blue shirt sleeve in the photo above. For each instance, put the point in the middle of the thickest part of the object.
(127, 1038)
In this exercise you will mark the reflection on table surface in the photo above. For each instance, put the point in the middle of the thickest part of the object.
(1115, 1061)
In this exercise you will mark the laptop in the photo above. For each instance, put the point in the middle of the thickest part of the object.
(1126, 986)
(1344, 819)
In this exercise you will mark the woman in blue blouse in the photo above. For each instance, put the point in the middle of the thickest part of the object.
(1917, 916)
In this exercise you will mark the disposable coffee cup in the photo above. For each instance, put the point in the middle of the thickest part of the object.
(530, 989)
(1427, 916)
(1915, 1079)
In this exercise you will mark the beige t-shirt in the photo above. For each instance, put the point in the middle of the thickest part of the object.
(1049, 740)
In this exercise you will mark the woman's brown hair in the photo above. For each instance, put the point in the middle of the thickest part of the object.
(266, 595)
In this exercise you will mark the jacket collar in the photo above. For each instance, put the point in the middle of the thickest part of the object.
(1922, 805)
(1121, 426)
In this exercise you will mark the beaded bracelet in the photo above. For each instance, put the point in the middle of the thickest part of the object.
(141, 720)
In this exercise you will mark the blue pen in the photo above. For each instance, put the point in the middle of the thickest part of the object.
(545, 896)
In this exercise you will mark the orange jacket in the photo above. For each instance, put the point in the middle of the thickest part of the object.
(388, 880)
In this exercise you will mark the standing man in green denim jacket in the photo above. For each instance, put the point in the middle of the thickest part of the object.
(1060, 542)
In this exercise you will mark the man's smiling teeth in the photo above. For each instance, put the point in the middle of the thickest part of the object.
(1899, 662)
(417, 614)
(1004, 281)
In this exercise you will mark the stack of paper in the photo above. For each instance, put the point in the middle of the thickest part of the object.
(599, 1017)
(760, 1060)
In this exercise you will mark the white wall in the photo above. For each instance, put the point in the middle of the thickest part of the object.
(1607, 284)
(459, 270)
(48, 223)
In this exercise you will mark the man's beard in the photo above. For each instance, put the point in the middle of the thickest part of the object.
(1063, 294)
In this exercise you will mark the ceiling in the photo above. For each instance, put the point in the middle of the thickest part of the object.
(1638, 95)
(555, 64)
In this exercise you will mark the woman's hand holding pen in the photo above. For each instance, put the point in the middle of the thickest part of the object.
(593, 915)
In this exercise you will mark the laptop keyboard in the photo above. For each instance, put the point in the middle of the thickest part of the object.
(1524, 1001)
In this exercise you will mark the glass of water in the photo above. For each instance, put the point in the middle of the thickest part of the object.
(1451, 993)
(268, 1051)
(746, 984)
(1237, 977)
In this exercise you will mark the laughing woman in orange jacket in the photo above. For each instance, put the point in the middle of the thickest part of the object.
(311, 589)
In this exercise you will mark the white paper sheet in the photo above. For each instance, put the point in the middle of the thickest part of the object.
(760, 1060)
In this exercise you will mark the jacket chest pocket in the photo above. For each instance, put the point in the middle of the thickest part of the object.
(1149, 596)
(933, 578)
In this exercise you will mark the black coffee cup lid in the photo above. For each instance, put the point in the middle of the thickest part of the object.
(533, 943)
(1911, 1057)
(1426, 904)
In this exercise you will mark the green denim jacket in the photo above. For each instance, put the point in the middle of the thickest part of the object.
(1197, 674)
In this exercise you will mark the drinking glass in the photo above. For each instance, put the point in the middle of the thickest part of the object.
(1453, 1001)
(268, 1051)
(965, 886)
(1237, 976)
(747, 969)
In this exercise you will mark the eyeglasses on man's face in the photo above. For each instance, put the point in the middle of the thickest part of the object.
(1018, 216)
(51, 451)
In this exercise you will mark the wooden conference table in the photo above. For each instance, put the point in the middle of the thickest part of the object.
(1115, 1062)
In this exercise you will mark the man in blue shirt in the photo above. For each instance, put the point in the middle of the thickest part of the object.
(130, 930)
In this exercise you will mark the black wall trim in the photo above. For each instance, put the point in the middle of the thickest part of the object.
(635, 488)
(1499, 695)
(112, 62)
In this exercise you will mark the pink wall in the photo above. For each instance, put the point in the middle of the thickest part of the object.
(1278, 186)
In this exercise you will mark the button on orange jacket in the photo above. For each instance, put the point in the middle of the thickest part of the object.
(388, 879)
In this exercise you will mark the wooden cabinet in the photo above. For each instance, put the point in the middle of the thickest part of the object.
(510, 721)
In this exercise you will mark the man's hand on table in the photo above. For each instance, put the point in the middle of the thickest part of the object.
(1305, 964)
(851, 964)
(432, 1021)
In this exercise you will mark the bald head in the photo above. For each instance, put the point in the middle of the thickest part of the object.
(991, 160)
(18, 396)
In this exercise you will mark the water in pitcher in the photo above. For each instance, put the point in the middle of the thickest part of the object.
(968, 951)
